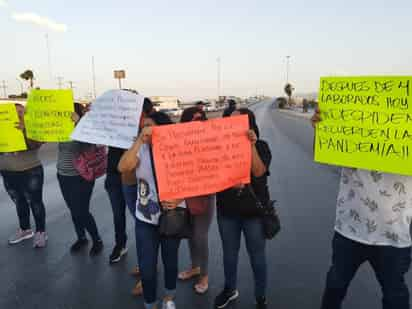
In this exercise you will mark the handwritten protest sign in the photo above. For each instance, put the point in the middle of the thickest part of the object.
(199, 158)
(366, 123)
(11, 139)
(112, 120)
(48, 115)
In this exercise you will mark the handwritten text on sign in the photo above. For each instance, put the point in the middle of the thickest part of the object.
(113, 120)
(199, 158)
(11, 139)
(48, 115)
(366, 123)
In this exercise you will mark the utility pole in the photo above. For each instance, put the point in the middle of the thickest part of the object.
(94, 78)
(60, 82)
(4, 86)
(218, 60)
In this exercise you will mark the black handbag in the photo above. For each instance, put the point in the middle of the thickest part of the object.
(173, 223)
(269, 217)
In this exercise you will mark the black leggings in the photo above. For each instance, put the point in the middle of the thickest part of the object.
(26, 190)
(77, 193)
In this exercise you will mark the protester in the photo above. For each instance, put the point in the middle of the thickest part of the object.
(237, 213)
(77, 191)
(373, 218)
(129, 185)
(230, 109)
(200, 106)
(148, 211)
(23, 178)
(202, 209)
(114, 188)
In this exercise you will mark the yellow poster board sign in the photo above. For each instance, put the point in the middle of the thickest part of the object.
(48, 115)
(11, 139)
(366, 123)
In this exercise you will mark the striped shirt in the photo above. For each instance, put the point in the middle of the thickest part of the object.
(67, 153)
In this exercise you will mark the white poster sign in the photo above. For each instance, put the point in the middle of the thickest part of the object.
(113, 120)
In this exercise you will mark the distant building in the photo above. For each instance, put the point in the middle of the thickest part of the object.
(164, 102)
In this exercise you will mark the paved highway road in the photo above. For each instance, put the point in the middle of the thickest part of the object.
(298, 258)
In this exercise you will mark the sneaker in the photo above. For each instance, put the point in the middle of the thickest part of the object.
(224, 298)
(97, 248)
(20, 236)
(117, 254)
(78, 245)
(40, 240)
(170, 304)
(261, 303)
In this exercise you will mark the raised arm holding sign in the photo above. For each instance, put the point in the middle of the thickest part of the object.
(199, 158)
(113, 120)
(366, 123)
(48, 115)
(11, 138)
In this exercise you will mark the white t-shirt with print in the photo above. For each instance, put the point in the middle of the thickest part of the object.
(375, 208)
(147, 205)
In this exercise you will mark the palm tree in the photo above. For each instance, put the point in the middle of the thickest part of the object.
(28, 76)
(288, 90)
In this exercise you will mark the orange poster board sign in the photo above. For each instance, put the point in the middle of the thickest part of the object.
(201, 157)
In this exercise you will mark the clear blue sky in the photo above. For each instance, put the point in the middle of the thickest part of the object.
(170, 47)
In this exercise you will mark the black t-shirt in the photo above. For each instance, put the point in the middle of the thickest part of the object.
(113, 159)
(233, 202)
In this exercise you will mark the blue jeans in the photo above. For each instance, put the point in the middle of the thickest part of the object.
(130, 196)
(230, 228)
(113, 186)
(26, 190)
(148, 241)
(77, 193)
(389, 263)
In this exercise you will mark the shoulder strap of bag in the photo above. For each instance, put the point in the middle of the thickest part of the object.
(154, 173)
(252, 192)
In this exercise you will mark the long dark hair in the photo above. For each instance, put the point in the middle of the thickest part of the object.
(252, 119)
(147, 106)
(79, 109)
(189, 112)
(160, 118)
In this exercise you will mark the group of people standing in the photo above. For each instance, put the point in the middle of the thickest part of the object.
(373, 216)
(131, 183)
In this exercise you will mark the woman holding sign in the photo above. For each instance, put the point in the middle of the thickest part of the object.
(148, 211)
(237, 213)
(202, 210)
(23, 179)
(77, 191)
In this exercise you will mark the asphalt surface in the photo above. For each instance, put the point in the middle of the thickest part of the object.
(298, 258)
